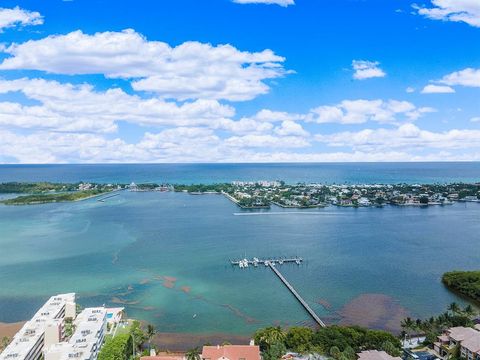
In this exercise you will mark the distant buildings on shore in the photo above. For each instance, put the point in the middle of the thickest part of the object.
(56, 332)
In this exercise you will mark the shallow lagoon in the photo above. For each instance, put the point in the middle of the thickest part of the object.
(164, 256)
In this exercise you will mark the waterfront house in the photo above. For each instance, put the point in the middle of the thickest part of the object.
(376, 355)
(231, 352)
(466, 339)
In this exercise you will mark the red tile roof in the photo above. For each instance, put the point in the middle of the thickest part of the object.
(231, 352)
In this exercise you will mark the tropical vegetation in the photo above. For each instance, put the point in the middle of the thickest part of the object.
(434, 326)
(4, 343)
(339, 342)
(54, 197)
(117, 348)
(466, 283)
(127, 345)
(193, 354)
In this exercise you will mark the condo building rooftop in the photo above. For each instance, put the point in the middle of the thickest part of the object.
(27, 344)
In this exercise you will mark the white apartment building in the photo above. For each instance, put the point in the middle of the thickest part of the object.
(86, 341)
(44, 329)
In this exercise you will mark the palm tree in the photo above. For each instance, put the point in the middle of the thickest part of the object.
(418, 325)
(274, 335)
(150, 334)
(468, 311)
(193, 354)
(454, 308)
(407, 324)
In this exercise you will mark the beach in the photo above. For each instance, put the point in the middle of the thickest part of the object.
(10, 329)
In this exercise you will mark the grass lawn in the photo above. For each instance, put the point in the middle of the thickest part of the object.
(123, 327)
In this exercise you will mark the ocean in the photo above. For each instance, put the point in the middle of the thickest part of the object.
(165, 256)
(329, 173)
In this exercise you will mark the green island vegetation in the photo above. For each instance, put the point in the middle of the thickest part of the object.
(203, 188)
(55, 197)
(337, 342)
(35, 188)
(46, 192)
(466, 283)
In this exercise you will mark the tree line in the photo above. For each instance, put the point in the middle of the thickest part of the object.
(338, 342)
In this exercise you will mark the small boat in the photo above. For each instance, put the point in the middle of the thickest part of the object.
(194, 316)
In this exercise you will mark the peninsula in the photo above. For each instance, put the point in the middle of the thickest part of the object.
(44, 192)
(263, 194)
(466, 283)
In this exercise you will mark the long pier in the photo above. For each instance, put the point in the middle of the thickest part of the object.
(271, 263)
(297, 295)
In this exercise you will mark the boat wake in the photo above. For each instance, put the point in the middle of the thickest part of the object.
(284, 213)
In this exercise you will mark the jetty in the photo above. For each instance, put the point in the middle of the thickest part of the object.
(271, 263)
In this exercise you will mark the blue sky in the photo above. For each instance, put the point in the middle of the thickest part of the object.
(229, 81)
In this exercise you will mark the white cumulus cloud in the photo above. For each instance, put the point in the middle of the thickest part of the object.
(467, 11)
(283, 3)
(361, 111)
(291, 128)
(467, 77)
(79, 108)
(437, 89)
(191, 70)
(367, 70)
(18, 17)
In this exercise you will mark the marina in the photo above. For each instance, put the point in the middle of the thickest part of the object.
(255, 262)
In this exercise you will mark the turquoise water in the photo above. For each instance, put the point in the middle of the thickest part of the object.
(164, 256)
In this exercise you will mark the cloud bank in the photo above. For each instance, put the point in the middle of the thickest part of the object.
(191, 70)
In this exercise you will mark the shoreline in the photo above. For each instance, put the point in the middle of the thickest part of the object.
(10, 329)
(163, 340)
(186, 341)
(62, 201)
